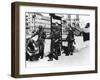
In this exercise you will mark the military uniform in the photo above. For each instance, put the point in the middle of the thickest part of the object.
(71, 40)
(41, 40)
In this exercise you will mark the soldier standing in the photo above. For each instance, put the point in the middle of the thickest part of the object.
(41, 40)
(71, 40)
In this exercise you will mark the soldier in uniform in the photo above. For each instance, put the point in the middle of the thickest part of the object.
(41, 41)
(71, 40)
(55, 44)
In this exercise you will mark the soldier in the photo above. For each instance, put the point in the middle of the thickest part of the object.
(71, 40)
(55, 46)
(86, 32)
(41, 40)
(57, 43)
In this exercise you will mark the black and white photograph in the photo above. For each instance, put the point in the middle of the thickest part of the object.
(55, 39)
(58, 38)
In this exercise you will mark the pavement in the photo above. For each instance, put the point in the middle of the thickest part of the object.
(80, 57)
